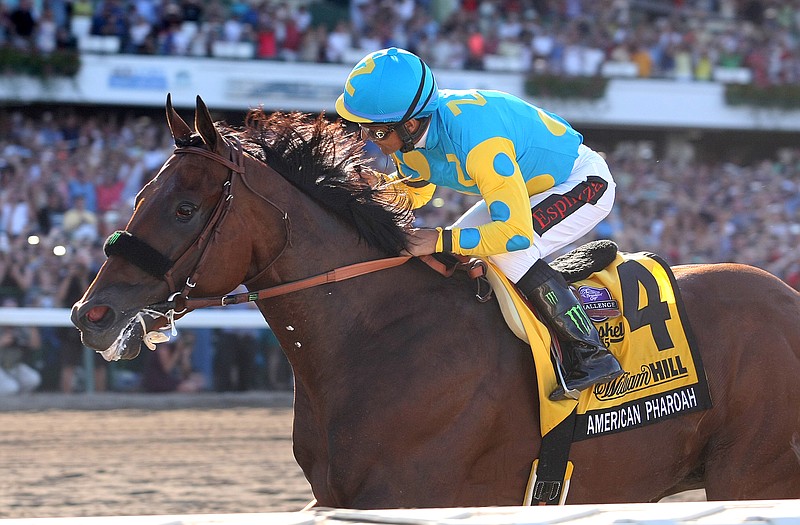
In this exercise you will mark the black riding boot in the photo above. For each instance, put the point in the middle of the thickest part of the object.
(550, 294)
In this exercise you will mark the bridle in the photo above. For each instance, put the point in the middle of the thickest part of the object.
(147, 258)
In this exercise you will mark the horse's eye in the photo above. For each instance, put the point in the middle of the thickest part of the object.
(185, 211)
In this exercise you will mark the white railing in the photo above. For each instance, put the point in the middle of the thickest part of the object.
(59, 317)
(210, 318)
(673, 513)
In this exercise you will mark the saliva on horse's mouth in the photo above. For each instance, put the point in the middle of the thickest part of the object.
(135, 333)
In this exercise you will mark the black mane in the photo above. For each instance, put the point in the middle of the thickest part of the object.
(327, 163)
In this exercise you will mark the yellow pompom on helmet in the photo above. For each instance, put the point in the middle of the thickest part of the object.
(388, 86)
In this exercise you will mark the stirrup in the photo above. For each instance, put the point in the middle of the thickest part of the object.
(562, 392)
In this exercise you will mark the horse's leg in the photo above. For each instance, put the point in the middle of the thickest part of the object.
(310, 448)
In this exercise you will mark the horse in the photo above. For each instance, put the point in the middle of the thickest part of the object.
(408, 391)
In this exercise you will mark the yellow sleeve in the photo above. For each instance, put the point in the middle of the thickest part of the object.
(492, 165)
(419, 192)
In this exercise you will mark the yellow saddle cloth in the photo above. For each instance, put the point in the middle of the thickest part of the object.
(663, 376)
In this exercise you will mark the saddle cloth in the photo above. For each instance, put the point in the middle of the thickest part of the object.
(663, 376)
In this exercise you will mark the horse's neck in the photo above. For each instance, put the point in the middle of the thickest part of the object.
(325, 329)
(321, 327)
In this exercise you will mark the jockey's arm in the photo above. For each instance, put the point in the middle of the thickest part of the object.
(493, 167)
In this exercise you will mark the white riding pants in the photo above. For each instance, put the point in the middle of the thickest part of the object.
(561, 215)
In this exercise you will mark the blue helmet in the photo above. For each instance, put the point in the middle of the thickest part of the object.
(390, 85)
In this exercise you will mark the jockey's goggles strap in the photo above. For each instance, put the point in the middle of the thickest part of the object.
(411, 113)
(137, 252)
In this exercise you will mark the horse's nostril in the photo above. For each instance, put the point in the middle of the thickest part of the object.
(96, 313)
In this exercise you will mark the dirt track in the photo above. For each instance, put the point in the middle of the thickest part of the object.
(63, 462)
(137, 454)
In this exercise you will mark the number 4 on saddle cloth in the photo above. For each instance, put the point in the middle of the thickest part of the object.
(635, 304)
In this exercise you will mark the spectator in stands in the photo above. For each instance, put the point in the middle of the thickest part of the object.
(312, 47)
(140, 38)
(81, 185)
(192, 11)
(234, 359)
(16, 211)
(23, 24)
(17, 348)
(46, 32)
(50, 211)
(338, 42)
(168, 368)
(503, 145)
(291, 30)
(267, 40)
(110, 19)
(80, 222)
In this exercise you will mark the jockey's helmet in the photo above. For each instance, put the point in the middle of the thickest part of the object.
(390, 85)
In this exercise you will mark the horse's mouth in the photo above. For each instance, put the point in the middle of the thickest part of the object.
(141, 328)
(128, 343)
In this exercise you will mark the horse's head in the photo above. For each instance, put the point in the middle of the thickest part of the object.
(203, 226)
(178, 217)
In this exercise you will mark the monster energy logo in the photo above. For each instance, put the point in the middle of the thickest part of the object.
(551, 298)
(579, 319)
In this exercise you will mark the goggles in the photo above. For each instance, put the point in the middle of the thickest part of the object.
(375, 133)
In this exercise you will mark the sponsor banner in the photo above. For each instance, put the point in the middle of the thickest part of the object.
(640, 412)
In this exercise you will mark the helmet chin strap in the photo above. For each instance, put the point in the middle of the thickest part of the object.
(410, 139)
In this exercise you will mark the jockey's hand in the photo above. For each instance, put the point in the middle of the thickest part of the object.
(421, 241)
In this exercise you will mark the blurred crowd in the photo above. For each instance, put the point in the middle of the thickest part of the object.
(680, 39)
(66, 182)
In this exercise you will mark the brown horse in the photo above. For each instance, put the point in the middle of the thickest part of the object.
(409, 392)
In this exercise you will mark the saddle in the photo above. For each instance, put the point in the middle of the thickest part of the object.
(663, 377)
(585, 260)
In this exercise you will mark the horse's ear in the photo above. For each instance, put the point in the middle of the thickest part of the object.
(180, 130)
(204, 125)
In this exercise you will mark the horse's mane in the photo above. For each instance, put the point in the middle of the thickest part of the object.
(328, 163)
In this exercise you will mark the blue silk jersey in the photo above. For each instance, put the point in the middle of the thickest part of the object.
(495, 145)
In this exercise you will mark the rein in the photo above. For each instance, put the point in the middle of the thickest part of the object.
(333, 276)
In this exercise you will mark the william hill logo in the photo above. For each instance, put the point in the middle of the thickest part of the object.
(650, 375)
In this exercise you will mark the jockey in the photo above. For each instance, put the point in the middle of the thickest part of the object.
(542, 188)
